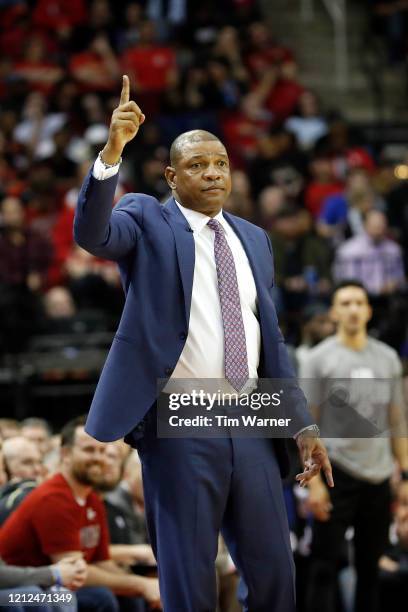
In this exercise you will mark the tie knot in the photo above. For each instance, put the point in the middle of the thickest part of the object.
(214, 225)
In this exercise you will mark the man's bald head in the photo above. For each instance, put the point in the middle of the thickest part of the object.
(188, 138)
(22, 458)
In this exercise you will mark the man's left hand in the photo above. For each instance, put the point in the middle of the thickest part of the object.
(314, 458)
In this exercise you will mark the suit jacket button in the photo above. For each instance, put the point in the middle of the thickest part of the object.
(168, 371)
(183, 336)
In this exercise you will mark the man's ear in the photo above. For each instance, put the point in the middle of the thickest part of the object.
(170, 174)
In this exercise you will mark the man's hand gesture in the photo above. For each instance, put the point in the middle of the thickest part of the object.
(125, 123)
(314, 457)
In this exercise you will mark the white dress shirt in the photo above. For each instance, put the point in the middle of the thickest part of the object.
(203, 353)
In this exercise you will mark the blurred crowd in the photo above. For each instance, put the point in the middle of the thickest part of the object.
(333, 206)
(72, 517)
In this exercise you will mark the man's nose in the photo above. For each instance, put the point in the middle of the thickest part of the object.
(211, 173)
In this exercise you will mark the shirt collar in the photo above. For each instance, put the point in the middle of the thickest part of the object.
(198, 220)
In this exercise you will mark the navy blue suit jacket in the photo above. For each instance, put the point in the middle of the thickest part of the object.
(154, 247)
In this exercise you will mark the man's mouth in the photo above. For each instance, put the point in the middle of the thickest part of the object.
(214, 188)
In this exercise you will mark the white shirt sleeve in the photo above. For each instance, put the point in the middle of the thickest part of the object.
(101, 173)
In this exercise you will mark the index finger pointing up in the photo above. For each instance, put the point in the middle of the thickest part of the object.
(125, 93)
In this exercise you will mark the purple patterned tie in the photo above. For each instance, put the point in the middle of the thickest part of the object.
(235, 351)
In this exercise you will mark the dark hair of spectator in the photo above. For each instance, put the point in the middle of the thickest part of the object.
(349, 282)
(68, 431)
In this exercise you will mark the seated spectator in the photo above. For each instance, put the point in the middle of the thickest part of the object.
(60, 315)
(149, 64)
(130, 496)
(394, 564)
(36, 67)
(228, 46)
(70, 573)
(290, 180)
(223, 91)
(56, 157)
(24, 254)
(275, 149)
(372, 258)
(96, 68)
(307, 123)
(242, 129)
(37, 125)
(58, 15)
(38, 431)
(22, 460)
(263, 51)
(94, 285)
(129, 34)
(24, 259)
(62, 237)
(279, 91)
(69, 503)
(125, 547)
(24, 469)
(166, 15)
(322, 184)
(342, 214)
(302, 259)
(342, 145)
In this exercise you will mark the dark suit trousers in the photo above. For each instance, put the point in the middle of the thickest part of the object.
(196, 487)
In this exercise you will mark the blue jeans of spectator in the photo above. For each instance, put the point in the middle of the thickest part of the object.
(96, 599)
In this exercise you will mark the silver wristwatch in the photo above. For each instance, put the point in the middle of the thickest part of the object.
(107, 166)
(311, 431)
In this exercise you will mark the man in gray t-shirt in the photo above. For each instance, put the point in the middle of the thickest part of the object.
(353, 384)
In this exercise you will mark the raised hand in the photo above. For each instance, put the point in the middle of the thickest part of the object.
(125, 122)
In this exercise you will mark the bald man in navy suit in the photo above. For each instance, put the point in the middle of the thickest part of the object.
(198, 306)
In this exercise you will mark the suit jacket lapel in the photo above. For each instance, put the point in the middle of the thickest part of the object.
(184, 239)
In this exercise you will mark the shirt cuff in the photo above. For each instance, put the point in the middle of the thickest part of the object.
(101, 173)
(56, 575)
(309, 427)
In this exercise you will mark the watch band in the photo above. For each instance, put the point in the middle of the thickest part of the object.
(309, 431)
(107, 166)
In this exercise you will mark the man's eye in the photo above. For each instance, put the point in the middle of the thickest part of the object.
(222, 163)
(196, 165)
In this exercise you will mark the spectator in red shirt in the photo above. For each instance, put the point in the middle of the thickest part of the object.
(65, 517)
(149, 65)
(96, 68)
(36, 68)
(57, 15)
(323, 184)
(279, 91)
(264, 52)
